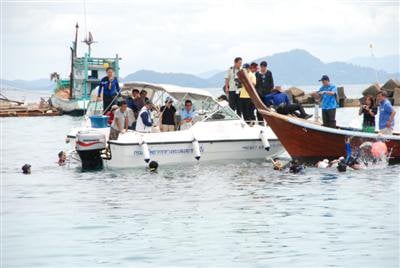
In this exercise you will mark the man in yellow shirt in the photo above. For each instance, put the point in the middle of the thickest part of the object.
(246, 105)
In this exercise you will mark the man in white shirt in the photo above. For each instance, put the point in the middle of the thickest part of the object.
(232, 85)
(144, 122)
(120, 122)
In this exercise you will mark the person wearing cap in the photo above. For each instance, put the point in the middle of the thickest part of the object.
(110, 87)
(233, 85)
(282, 104)
(328, 94)
(246, 105)
(120, 123)
(167, 115)
(386, 114)
(110, 114)
(144, 122)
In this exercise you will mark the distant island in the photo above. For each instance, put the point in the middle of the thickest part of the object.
(294, 67)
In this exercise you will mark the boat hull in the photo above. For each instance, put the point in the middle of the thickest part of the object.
(128, 156)
(309, 143)
(74, 107)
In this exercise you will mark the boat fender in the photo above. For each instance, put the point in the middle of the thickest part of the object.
(145, 151)
(196, 149)
(264, 140)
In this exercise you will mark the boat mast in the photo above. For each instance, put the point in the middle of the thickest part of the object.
(73, 56)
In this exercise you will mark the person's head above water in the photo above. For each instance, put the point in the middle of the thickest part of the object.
(153, 165)
(62, 157)
(342, 166)
(26, 169)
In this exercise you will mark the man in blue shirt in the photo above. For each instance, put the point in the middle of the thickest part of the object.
(110, 87)
(283, 105)
(328, 93)
(187, 115)
(386, 114)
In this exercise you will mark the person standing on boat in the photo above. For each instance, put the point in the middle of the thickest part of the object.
(328, 93)
(144, 122)
(368, 110)
(110, 87)
(386, 114)
(264, 84)
(131, 101)
(265, 81)
(233, 85)
(246, 106)
(120, 123)
(167, 116)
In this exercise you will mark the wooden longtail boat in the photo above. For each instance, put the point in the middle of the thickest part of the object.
(310, 142)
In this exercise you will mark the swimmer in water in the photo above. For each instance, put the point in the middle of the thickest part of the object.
(295, 167)
(62, 158)
(26, 169)
(153, 165)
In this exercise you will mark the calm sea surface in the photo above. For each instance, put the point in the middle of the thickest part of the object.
(231, 214)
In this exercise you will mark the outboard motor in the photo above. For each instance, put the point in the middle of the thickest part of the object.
(89, 146)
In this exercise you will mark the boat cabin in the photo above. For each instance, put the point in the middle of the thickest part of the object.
(205, 106)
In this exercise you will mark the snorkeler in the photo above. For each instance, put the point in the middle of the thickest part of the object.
(295, 167)
(26, 169)
(62, 158)
(153, 165)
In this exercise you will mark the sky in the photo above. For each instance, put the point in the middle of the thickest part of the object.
(190, 36)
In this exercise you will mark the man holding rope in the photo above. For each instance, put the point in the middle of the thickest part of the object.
(110, 87)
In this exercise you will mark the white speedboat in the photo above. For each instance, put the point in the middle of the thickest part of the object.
(216, 134)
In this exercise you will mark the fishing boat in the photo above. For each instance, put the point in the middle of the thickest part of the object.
(309, 141)
(217, 133)
(72, 95)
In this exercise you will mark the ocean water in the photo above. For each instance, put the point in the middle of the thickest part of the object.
(230, 214)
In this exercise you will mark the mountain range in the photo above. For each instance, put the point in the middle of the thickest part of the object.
(295, 67)
(389, 63)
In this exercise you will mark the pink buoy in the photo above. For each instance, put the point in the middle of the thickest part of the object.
(378, 149)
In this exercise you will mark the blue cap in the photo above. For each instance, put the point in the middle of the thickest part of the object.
(324, 78)
(169, 99)
(246, 66)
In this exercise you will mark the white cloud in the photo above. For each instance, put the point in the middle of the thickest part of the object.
(192, 36)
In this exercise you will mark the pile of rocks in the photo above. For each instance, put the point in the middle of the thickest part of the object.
(298, 95)
(391, 88)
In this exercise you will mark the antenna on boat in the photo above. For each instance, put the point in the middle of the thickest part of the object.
(88, 35)
(89, 41)
(371, 47)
